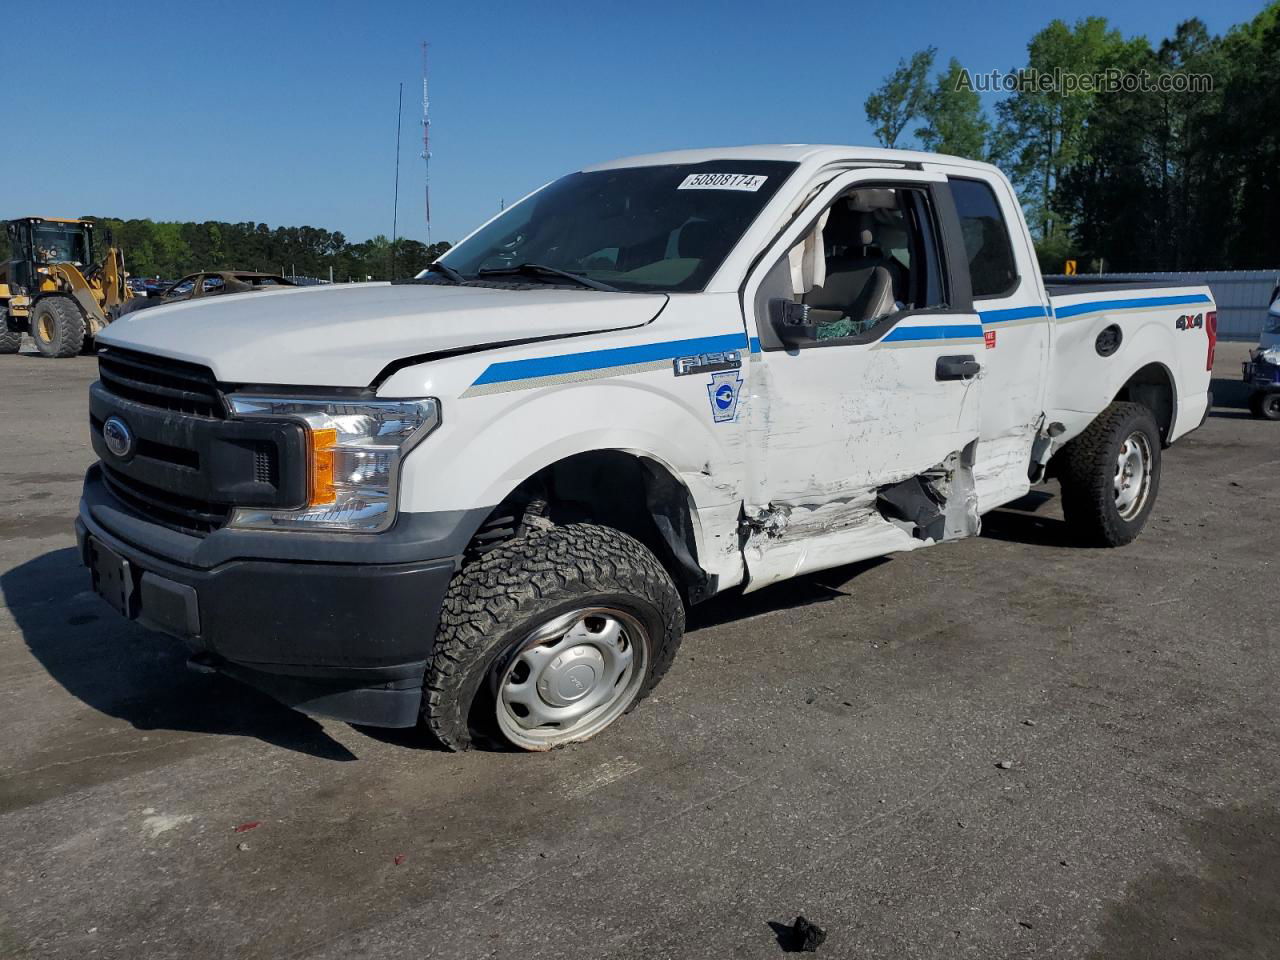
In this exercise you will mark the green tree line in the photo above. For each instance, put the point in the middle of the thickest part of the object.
(1126, 180)
(170, 249)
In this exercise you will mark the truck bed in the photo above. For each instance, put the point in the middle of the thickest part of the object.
(1131, 339)
(1062, 286)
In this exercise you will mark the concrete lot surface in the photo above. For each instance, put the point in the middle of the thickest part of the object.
(826, 747)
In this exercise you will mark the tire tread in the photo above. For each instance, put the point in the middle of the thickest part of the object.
(1087, 471)
(69, 329)
(511, 582)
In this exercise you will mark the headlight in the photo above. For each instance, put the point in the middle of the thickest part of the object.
(354, 453)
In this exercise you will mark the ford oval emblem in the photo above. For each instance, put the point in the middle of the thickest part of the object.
(118, 437)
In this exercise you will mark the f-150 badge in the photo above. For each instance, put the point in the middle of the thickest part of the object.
(723, 391)
(706, 362)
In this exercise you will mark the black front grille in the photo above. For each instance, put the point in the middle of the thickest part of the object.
(184, 514)
(160, 382)
(190, 463)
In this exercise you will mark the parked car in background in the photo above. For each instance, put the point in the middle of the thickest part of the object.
(210, 283)
(1271, 331)
(1262, 369)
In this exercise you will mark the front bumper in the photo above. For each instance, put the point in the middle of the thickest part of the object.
(1260, 374)
(346, 639)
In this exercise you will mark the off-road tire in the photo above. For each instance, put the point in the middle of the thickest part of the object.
(1265, 404)
(498, 599)
(1087, 473)
(66, 323)
(10, 340)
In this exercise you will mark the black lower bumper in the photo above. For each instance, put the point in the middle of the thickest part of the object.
(346, 640)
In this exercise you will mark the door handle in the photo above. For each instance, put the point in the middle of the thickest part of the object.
(957, 368)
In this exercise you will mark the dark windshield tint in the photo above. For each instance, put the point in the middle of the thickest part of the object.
(637, 228)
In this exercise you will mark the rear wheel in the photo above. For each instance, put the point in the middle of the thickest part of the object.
(550, 638)
(57, 327)
(1110, 475)
(10, 340)
(1265, 404)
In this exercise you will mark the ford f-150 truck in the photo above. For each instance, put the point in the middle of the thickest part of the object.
(483, 499)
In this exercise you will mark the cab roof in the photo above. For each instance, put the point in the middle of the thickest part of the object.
(57, 220)
(805, 154)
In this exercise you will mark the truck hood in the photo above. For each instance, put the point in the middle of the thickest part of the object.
(343, 336)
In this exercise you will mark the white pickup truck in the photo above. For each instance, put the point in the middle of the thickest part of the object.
(483, 499)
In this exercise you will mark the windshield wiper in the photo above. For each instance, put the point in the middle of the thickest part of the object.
(447, 271)
(538, 269)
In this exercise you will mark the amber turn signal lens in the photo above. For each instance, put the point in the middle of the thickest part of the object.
(322, 444)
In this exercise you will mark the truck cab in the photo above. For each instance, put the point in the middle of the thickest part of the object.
(483, 499)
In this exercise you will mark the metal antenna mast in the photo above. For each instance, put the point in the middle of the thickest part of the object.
(395, 209)
(426, 141)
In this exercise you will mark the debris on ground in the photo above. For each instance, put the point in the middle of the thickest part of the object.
(1005, 764)
(244, 827)
(806, 937)
(242, 847)
(1028, 723)
(399, 859)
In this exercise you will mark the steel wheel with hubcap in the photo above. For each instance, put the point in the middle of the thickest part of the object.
(571, 678)
(549, 638)
(1133, 475)
(1110, 475)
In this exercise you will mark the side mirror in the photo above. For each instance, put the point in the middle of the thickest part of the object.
(790, 321)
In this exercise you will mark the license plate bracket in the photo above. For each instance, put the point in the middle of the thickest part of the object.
(113, 578)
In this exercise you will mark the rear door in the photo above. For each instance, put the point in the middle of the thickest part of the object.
(1008, 296)
(879, 405)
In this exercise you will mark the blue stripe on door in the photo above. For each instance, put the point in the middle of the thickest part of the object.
(1012, 313)
(509, 370)
(949, 331)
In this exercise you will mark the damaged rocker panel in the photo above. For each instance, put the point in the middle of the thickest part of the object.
(782, 540)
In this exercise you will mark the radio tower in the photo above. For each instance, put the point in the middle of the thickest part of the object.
(426, 141)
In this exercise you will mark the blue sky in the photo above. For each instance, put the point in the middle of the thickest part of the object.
(285, 112)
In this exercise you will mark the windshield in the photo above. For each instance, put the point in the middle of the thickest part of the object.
(636, 228)
(61, 243)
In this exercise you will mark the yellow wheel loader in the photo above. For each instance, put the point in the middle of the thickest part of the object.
(52, 289)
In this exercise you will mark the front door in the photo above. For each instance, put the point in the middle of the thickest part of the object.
(862, 426)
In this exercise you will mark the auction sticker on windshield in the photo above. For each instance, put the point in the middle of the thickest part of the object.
(750, 182)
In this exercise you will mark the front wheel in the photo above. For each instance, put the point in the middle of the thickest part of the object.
(550, 638)
(57, 327)
(1110, 475)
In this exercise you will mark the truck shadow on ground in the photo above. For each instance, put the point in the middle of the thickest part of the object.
(1225, 903)
(124, 671)
(802, 591)
(1019, 522)
(1230, 399)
